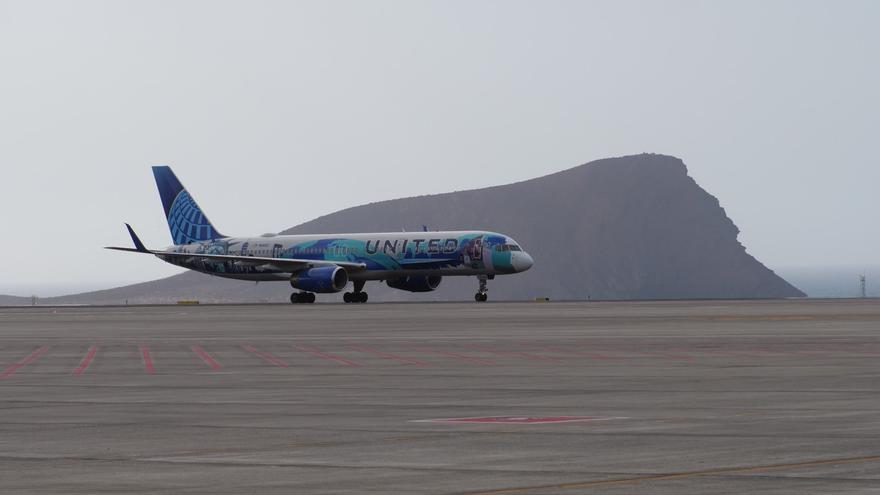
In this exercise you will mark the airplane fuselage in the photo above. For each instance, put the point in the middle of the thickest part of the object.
(384, 255)
(327, 263)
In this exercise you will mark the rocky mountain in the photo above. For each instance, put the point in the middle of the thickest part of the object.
(633, 227)
(14, 301)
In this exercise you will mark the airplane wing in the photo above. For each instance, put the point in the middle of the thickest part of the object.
(414, 263)
(282, 264)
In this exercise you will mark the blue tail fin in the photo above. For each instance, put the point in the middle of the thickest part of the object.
(185, 219)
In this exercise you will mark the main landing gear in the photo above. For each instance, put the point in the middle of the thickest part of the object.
(358, 296)
(302, 298)
(355, 297)
(482, 294)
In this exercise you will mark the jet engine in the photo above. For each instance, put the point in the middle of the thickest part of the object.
(415, 283)
(324, 279)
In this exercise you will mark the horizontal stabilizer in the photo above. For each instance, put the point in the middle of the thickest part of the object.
(134, 238)
(128, 250)
(138, 245)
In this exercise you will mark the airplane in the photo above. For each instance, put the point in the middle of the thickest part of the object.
(409, 261)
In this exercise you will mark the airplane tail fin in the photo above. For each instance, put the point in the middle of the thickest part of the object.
(186, 220)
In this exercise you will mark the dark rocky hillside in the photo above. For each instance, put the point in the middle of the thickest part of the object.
(634, 227)
(14, 301)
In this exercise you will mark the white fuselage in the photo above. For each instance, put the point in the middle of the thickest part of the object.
(383, 255)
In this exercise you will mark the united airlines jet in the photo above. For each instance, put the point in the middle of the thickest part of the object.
(410, 261)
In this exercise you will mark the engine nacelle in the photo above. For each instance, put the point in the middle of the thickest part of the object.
(324, 279)
(415, 283)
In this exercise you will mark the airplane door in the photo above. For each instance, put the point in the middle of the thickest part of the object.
(478, 248)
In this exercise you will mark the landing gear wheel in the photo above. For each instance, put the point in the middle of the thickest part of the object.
(481, 295)
(355, 297)
(302, 298)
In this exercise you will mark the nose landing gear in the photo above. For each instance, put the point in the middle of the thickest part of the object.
(482, 294)
(302, 298)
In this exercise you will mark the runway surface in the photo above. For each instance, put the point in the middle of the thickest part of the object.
(643, 397)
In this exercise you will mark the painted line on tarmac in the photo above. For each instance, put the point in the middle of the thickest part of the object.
(148, 360)
(501, 352)
(12, 368)
(453, 355)
(325, 355)
(591, 355)
(771, 351)
(265, 356)
(722, 352)
(518, 420)
(203, 354)
(388, 355)
(604, 351)
(672, 355)
(682, 475)
(762, 318)
(84, 364)
(638, 354)
(857, 349)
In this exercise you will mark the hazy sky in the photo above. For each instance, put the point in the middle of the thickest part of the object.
(272, 113)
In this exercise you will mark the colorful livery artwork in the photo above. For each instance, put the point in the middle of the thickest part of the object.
(411, 261)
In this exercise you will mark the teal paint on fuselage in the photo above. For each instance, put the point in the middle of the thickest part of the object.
(385, 255)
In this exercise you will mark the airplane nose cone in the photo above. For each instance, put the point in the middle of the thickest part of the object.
(522, 261)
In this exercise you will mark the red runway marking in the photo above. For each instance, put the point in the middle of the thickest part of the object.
(862, 352)
(533, 357)
(148, 361)
(815, 352)
(770, 350)
(668, 355)
(556, 350)
(723, 352)
(655, 354)
(324, 355)
(591, 352)
(388, 355)
(265, 356)
(86, 361)
(676, 353)
(12, 368)
(851, 349)
(519, 419)
(205, 357)
(454, 355)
